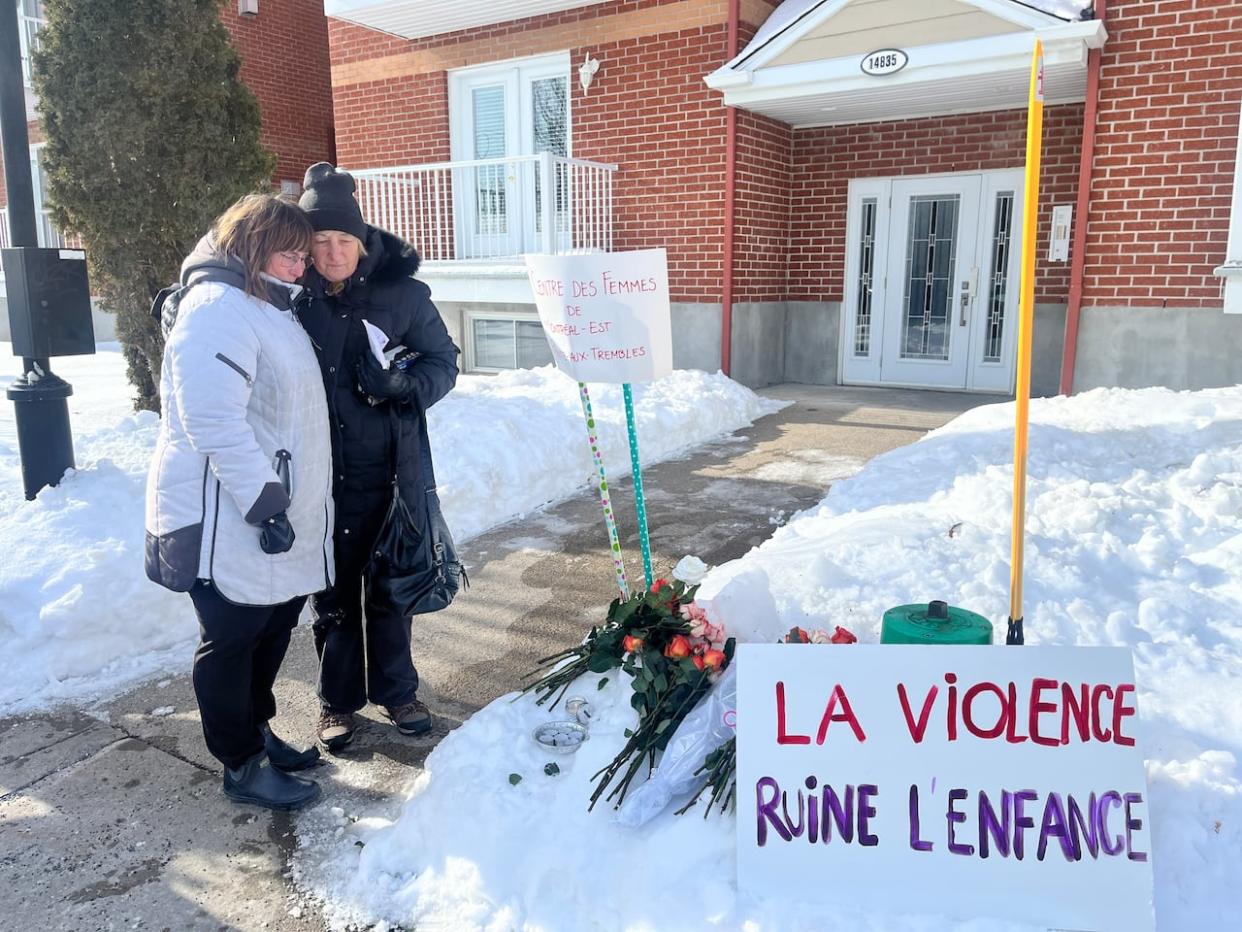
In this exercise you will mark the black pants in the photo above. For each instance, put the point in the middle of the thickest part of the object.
(235, 666)
(360, 661)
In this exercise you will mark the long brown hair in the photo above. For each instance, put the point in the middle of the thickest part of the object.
(255, 228)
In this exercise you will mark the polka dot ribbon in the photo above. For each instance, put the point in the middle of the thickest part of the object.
(605, 496)
(637, 472)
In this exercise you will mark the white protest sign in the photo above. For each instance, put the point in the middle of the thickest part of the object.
(966, 781)
(606, 315)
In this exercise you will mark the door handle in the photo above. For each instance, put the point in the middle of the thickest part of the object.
(968, 294)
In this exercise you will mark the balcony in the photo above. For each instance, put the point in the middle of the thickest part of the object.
(472, 222)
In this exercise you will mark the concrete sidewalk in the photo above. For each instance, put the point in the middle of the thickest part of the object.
(113, 818)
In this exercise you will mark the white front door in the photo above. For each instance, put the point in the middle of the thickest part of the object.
(505, 116)
(491, 199)
(928, 297)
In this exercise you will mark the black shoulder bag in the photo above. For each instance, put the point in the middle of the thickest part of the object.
(415, 570)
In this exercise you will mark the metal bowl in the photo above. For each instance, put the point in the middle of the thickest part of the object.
(570, 736)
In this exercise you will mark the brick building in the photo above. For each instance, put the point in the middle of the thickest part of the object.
(858, 216)
(283, 45)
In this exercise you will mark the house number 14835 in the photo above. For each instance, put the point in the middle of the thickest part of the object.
(884, 61)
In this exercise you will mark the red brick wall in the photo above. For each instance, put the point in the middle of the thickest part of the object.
(825, 159)
(395, 121)
(351, 43)
(284, 52)
(649, 112)
(1167, 132)
(764, 189)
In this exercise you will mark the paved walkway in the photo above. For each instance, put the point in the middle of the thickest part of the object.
(113, 819)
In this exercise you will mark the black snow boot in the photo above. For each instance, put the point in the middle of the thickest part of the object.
(258, 783)
(285, 756)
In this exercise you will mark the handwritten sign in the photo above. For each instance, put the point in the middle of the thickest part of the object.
(606, 315)
(970, 782)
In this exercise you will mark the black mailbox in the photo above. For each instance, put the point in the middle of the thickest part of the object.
(49, 302)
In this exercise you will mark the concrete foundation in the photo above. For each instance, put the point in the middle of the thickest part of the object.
(1046, 350)
(758, 343)
(812, 342)
(696, 336)
(1178, 348)
(799, 341)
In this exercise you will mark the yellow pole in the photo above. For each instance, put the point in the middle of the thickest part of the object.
(1026, 327)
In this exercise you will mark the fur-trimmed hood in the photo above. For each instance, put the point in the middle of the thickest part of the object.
(388, 256)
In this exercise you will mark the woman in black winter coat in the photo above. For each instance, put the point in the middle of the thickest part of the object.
(361, 273)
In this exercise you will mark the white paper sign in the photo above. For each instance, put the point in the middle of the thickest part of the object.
(971, 782)
(606, 315)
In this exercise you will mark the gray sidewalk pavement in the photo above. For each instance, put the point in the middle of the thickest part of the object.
(112, 818)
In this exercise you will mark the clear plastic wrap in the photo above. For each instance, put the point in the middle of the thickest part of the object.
(710, 725)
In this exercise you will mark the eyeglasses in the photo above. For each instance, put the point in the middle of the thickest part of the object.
(293, 258)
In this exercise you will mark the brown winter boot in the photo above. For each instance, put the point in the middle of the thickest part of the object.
(413, 718)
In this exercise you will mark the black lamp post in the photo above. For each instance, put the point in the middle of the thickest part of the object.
(33, 281)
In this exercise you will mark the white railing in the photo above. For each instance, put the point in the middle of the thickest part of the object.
(492, 208)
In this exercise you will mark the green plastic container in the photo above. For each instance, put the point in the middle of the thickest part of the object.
(934, 623)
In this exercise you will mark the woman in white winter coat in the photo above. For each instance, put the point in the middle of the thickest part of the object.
(239, 508)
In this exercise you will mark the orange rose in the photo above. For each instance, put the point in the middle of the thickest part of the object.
(678, 648)
(698, 661)
(630, 643)
(714, 659)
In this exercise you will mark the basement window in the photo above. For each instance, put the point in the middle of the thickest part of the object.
(496, 342)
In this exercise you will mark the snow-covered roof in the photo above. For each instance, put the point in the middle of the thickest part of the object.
(960, 56)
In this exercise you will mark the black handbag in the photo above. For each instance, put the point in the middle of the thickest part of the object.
(414, 570)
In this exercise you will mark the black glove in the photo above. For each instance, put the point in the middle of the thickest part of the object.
(276, 534)
(384, 384)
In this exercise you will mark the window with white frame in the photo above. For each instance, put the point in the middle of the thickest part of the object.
(29, 21)
(499, 341)
(502, 116)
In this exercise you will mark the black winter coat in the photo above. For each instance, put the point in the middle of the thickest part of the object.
(382, 292)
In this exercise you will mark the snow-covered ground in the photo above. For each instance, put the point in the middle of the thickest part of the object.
(1135, 539)
(79, 620)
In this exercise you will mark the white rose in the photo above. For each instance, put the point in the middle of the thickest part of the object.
(690, 570)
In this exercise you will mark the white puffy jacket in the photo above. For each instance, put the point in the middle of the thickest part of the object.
(241, 390)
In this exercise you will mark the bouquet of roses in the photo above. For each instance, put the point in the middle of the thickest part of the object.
(673, 663)
(673, 652)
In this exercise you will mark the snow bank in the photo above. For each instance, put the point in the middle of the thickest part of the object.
(1135, 539)
(80, 621)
